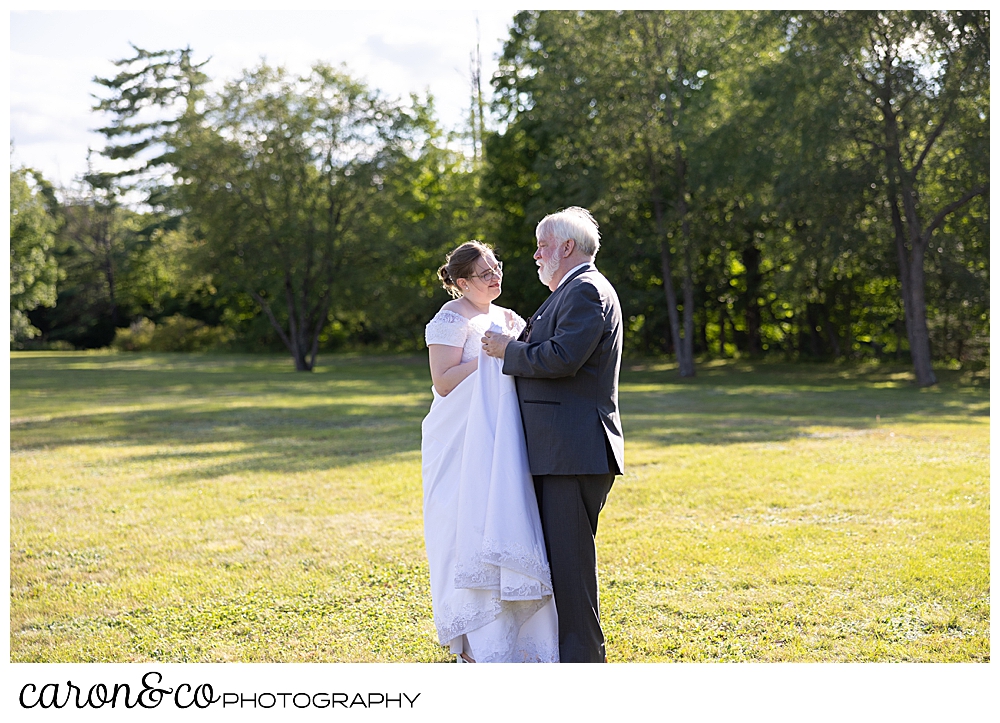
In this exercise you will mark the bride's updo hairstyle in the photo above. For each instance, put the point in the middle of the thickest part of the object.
(461, 264)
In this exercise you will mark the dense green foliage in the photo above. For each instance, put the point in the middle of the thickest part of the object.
(208, 508)
(279, 178)
(803, 185)
(760, 185)
(33, 271)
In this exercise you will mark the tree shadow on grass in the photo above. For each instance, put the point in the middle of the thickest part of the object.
(261, 417)
(247, 440)
(773, 403)
(264, 418)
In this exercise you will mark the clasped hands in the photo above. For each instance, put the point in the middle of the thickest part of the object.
(495, 344)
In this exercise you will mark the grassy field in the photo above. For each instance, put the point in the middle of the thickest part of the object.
(221, 508)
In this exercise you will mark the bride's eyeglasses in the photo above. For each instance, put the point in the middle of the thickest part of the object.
(495, 273)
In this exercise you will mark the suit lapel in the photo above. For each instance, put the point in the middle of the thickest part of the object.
(545, 304)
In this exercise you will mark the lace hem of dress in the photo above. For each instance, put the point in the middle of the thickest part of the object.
(528, 650)
(516, 572)
(451, 623)
(507, 644)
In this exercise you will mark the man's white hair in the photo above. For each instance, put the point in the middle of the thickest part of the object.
(571, 223)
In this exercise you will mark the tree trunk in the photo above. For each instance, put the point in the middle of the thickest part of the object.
(687, 365)
(683, 345)
(920, 342)
(913, 286)
(722, 330)
(104, 242)
(945, 331)
(751, 262)
(685, 349)
(849, 312)
(109, 273)
(815, 345)
(665, 262)
(703, 331)
(671, 294)
(831, 332)
(297, 351)
(911, 278)
(910, 260)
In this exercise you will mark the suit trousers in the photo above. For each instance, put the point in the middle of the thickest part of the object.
(568, 507)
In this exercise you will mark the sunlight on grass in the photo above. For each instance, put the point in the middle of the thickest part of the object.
(225, 508)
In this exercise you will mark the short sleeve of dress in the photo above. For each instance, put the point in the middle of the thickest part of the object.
(447, 328)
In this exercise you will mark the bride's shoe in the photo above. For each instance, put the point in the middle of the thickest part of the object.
(464, 658)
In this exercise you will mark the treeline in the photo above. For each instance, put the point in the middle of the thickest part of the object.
(804, 185)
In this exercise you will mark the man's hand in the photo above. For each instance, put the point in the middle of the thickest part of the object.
(496, 344)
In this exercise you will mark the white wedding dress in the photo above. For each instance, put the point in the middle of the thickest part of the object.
(490, 579)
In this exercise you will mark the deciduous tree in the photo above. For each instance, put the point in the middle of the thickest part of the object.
(914, 91)
(278, 176)
(33, 269)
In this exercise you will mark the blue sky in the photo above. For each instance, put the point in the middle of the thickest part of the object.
(56, 48)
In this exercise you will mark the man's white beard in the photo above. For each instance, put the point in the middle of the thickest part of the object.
(548, 269)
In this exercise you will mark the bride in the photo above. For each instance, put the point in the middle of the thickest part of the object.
(490, 579)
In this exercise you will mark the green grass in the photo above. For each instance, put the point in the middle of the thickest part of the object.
(223, 508)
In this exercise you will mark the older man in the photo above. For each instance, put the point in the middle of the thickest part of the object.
(565, 366)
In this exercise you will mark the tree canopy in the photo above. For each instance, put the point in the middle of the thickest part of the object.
(812, 185)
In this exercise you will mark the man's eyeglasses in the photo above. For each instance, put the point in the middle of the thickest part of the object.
(495, 273)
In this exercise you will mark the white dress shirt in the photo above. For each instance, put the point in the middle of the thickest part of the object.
(571, 272)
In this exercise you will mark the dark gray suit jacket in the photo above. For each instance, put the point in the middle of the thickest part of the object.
(565, 367)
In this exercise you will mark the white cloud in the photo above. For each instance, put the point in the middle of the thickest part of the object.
(406, 48)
